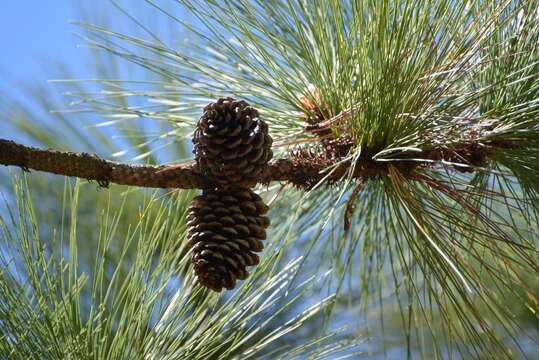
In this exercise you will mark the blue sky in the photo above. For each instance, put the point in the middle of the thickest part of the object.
(38, 44)
(33, 33)
(36, 33)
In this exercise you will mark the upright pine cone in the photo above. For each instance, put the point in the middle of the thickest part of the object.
(225, 228)
(232, 145)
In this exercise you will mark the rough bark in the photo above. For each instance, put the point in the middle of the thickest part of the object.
(91, 167)
(301, 169)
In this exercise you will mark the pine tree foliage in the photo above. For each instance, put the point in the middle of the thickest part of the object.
(51, 308)
(448, 88)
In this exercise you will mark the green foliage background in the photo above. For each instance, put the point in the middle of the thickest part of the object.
(435, 268)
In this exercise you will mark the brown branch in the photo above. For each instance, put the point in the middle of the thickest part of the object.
(301, 169)
(91, 167)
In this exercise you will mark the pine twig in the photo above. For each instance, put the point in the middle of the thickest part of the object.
(301, 170)
(91, 167)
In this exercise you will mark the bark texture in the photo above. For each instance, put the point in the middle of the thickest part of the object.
(301, 169)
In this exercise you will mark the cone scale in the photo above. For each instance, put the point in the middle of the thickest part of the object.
(227, 223)
(226, 229)
(232, 145)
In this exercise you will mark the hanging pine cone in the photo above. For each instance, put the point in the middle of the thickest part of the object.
(232, 144)
(225, 228)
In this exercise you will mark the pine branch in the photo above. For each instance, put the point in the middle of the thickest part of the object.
(302, 169)
(91, 167)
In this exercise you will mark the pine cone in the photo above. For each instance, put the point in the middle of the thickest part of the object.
(225, 228)
(232, 145)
